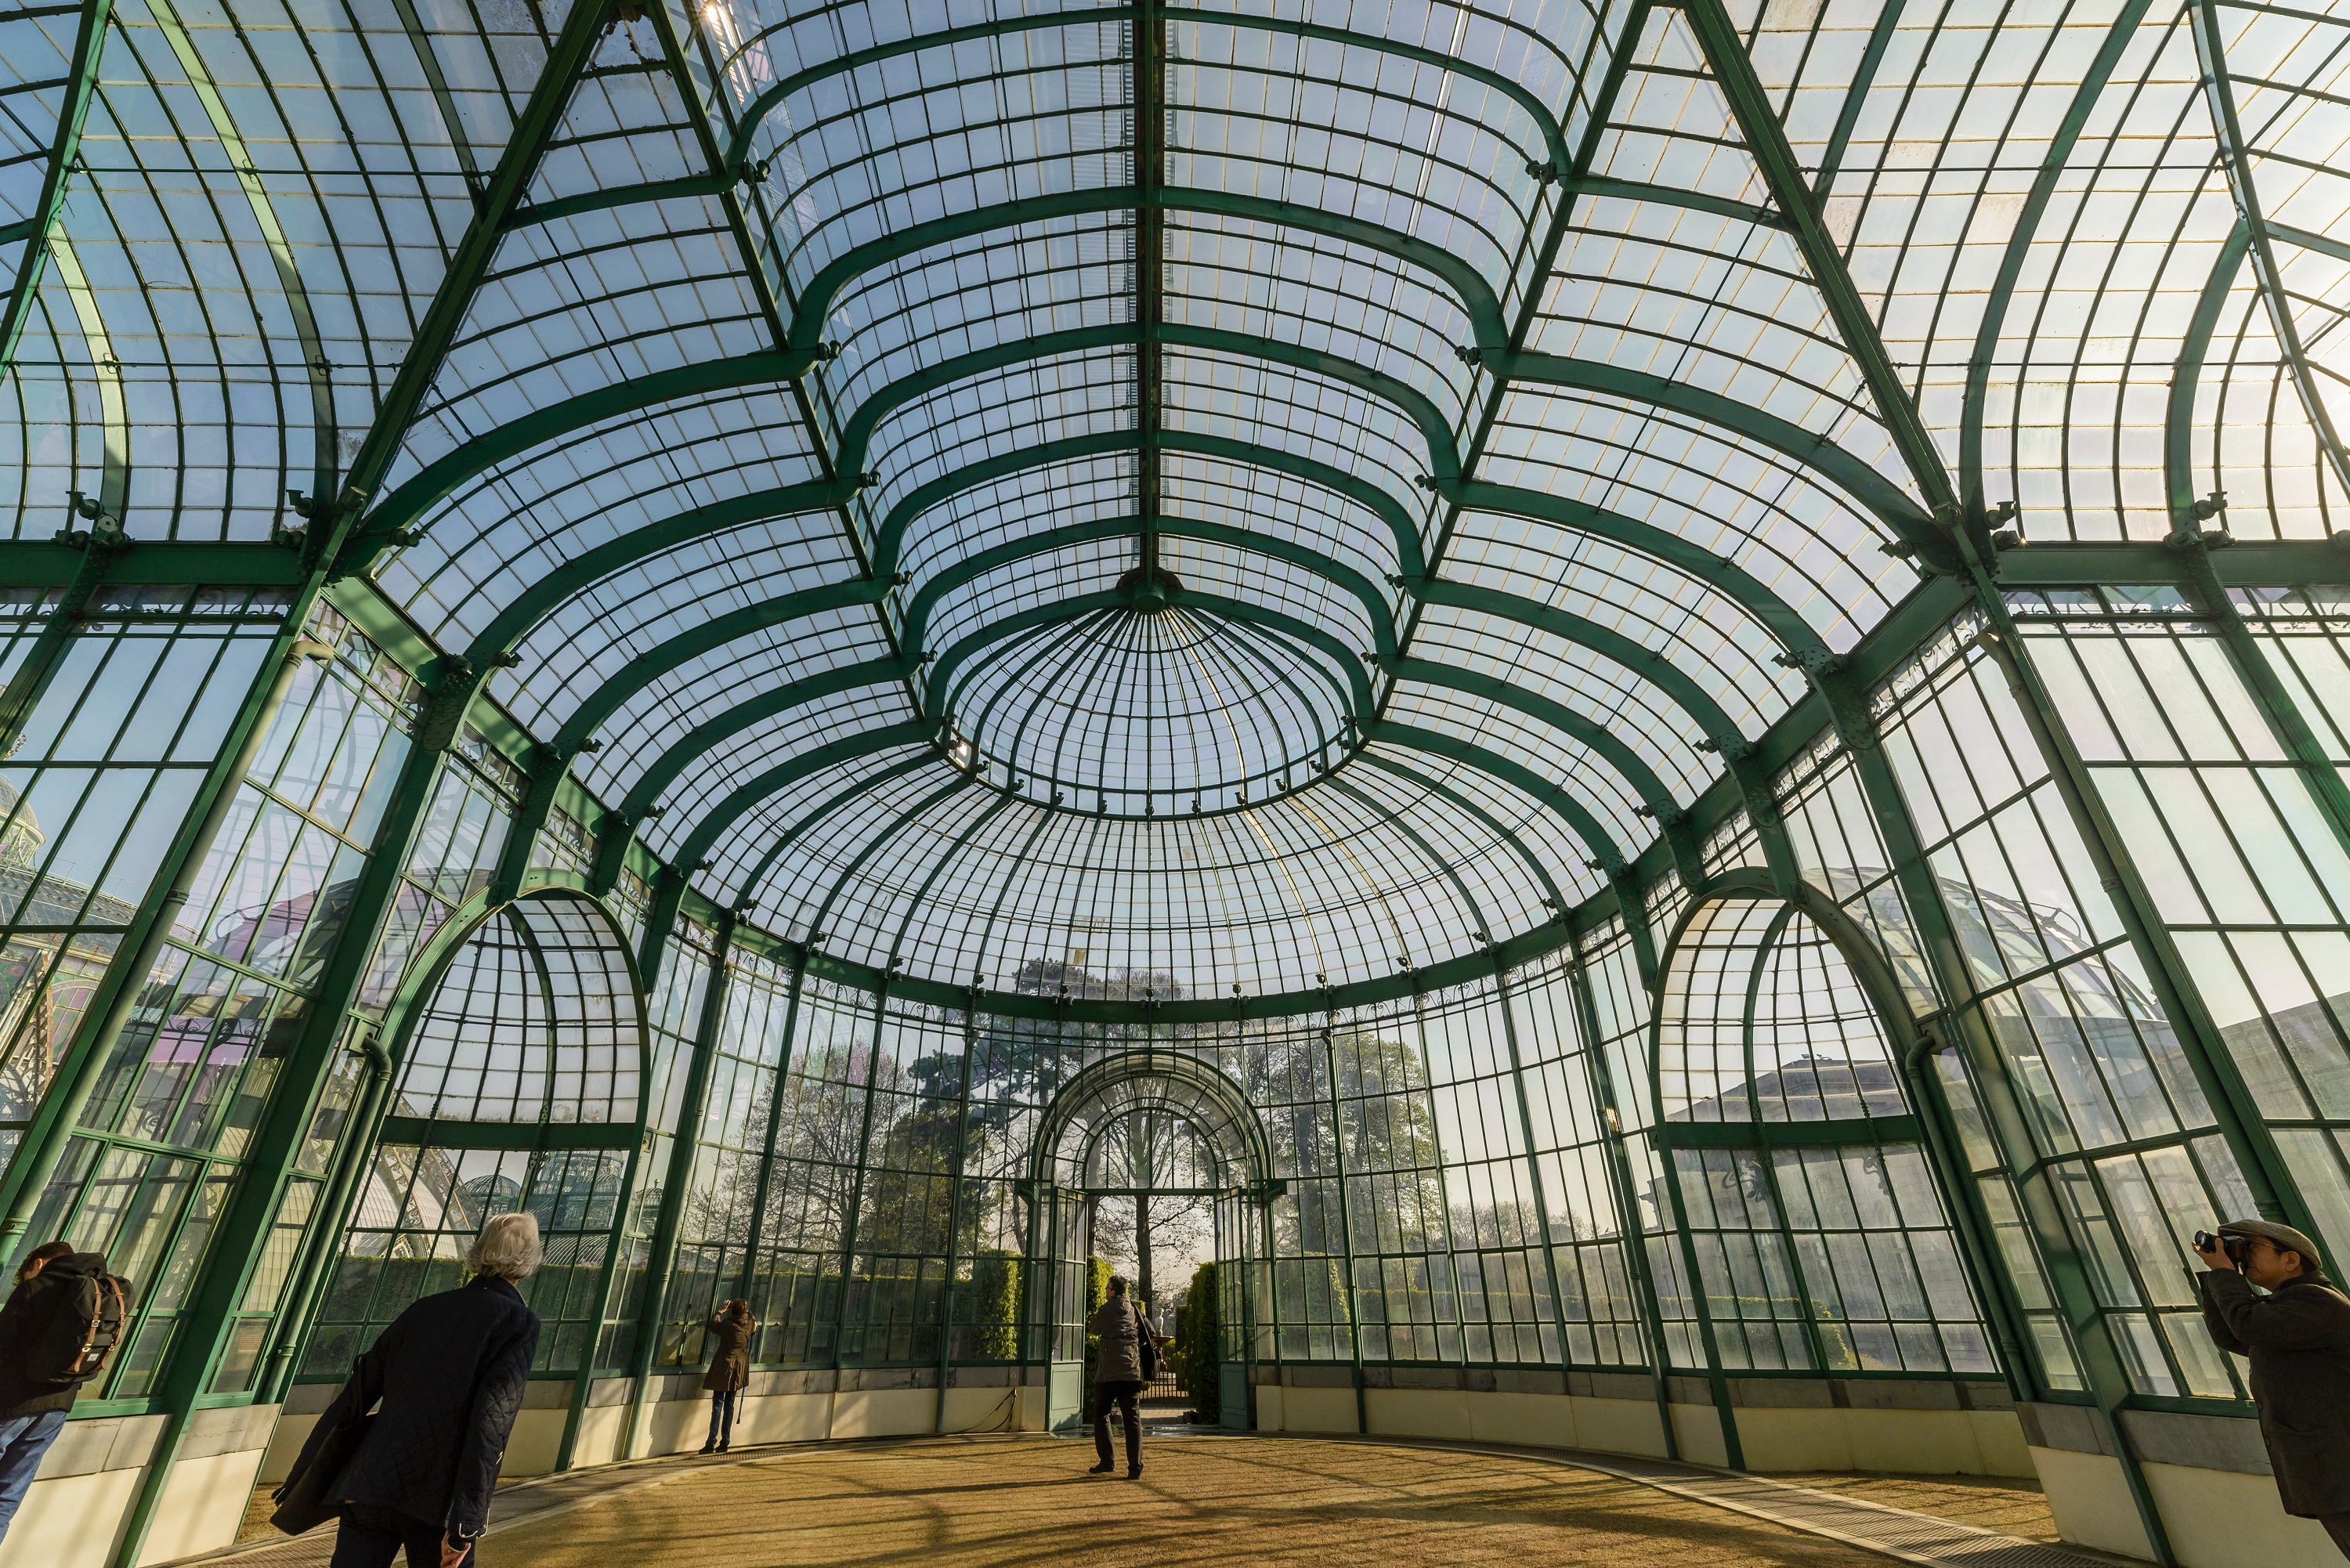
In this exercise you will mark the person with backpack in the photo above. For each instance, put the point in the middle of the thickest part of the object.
(448, 1373)
(57, 1329)
(1124, 1365)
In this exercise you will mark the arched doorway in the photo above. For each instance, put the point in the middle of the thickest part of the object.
(1146, 1126)
(1815, 1239)
(518, 1079)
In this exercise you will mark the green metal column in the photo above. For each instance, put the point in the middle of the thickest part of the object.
(315, 1265)
(758, 1238)
(1526, 1129)
(1346, 1217)
(1632, 1238)
(1856, 726)
(954, 1202)
(583, 1380)
(856, 1196)
(660, 1258)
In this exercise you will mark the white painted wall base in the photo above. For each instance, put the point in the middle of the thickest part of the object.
(73, 1522)
(202, 1506)
(1905, 1442)
(79, 1504)
(2225, 1519)
(2090, 1501)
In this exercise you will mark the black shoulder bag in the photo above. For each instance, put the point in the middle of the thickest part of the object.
(1145, 1343)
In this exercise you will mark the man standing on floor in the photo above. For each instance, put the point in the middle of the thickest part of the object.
(2298, 1338)
(1118, 1327)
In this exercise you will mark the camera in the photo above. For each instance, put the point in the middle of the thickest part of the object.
(2236, 1247)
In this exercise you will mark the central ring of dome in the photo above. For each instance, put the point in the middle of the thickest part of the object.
(1161, 706)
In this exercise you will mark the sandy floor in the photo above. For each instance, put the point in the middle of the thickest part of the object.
(1989, 1503)
(949, 1503)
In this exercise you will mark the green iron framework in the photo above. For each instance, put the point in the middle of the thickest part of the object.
(1706, 666)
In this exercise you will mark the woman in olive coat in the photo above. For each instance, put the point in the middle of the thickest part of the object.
(729, 1369)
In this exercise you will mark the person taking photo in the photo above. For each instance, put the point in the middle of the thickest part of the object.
(2297, 1337)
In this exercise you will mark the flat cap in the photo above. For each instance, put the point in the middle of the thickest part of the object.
(2284, 1236)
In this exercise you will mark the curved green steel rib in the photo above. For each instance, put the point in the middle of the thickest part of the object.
(755, 112)
(654, 782)
(890, 538)
(2021, 239)
(439, 480)
(65, 149)
(1636, 657)
(1597, 839)
(583, 571)
(695, 847)
(1598, 737)
(857, 430)
(648, 666)
(1462, 802)
(1418, 840)
(940, 691)
(939, 864)
(514, 624)
(813, 305)
(2186, 375)
(739, 801)
(207, 93)
(852, 790)
(1877, 494)
(972, 567)
(2236, 153)
(655, 661)
(1718, 572)
(873, 843)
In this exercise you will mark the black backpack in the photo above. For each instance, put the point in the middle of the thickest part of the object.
(84, 1327)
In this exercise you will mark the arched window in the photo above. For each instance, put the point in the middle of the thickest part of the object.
(1795, 1162)
(518, 1084)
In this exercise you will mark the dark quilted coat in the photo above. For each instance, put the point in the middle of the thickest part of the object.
(450, 1372)
(2298, 1338)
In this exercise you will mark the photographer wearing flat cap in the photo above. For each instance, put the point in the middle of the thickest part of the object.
(2298, 1338)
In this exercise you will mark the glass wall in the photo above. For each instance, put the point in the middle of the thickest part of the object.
(2123, 1133)
(143, 701)
(519, 1084)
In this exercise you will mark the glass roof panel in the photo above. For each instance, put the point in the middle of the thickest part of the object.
(870, 419)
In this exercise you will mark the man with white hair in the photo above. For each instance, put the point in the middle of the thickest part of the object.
(450, 1373)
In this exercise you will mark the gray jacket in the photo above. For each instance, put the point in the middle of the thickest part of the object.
(1117, 1324)
(2299, 1341)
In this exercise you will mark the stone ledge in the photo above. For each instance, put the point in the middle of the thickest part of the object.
(546, 1394)
(1872, 1394)
(235, 1429)
(107, 1443)
(2201, 1442)
(2071, 1428)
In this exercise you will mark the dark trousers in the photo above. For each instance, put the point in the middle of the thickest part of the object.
(1124, 1394)
(2337, 1525)
(369, 1537)
(722, 1414)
